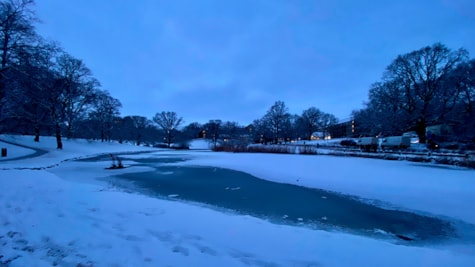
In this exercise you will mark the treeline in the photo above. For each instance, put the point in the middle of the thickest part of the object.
(278, 125)
(430, 86)
(43, 89)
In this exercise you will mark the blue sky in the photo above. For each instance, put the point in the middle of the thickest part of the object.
(232, 59)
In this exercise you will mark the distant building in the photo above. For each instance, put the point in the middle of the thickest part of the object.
(343, 129)
(320, 136)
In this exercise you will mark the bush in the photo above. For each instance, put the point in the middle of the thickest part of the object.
(449, 145)
(348, 142)
(230, 148)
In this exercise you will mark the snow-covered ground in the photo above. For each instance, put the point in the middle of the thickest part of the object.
(49, 217)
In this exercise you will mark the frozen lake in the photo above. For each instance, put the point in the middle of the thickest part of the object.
(278, 202)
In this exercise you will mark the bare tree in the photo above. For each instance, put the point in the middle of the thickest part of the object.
(464, 114)
(78, 90)
(231, 129)
(169, 122)
(213, 129)
(463, 78)
(310, 120)
(192, 131)
(41, 86)
(260, 131)
(105, 112)
(277, 118)
(422, 78)
(30, 87)
(16, 31)
(139, 124)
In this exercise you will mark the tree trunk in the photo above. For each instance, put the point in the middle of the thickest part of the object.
(421, 130)
(59, 143)
(169, 139)
(2, 91)
(69, 133)
(37, 134)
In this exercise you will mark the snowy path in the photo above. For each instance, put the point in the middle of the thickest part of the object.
(25, 154)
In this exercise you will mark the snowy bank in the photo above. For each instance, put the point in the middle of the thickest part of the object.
(72, 149)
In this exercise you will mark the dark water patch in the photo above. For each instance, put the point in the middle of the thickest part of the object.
(162, 159)
(285, 203)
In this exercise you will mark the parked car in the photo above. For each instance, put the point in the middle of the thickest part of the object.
(396, 142)
(413, 136)
(368, 143)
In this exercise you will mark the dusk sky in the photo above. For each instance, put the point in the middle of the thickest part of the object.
(232, 59)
